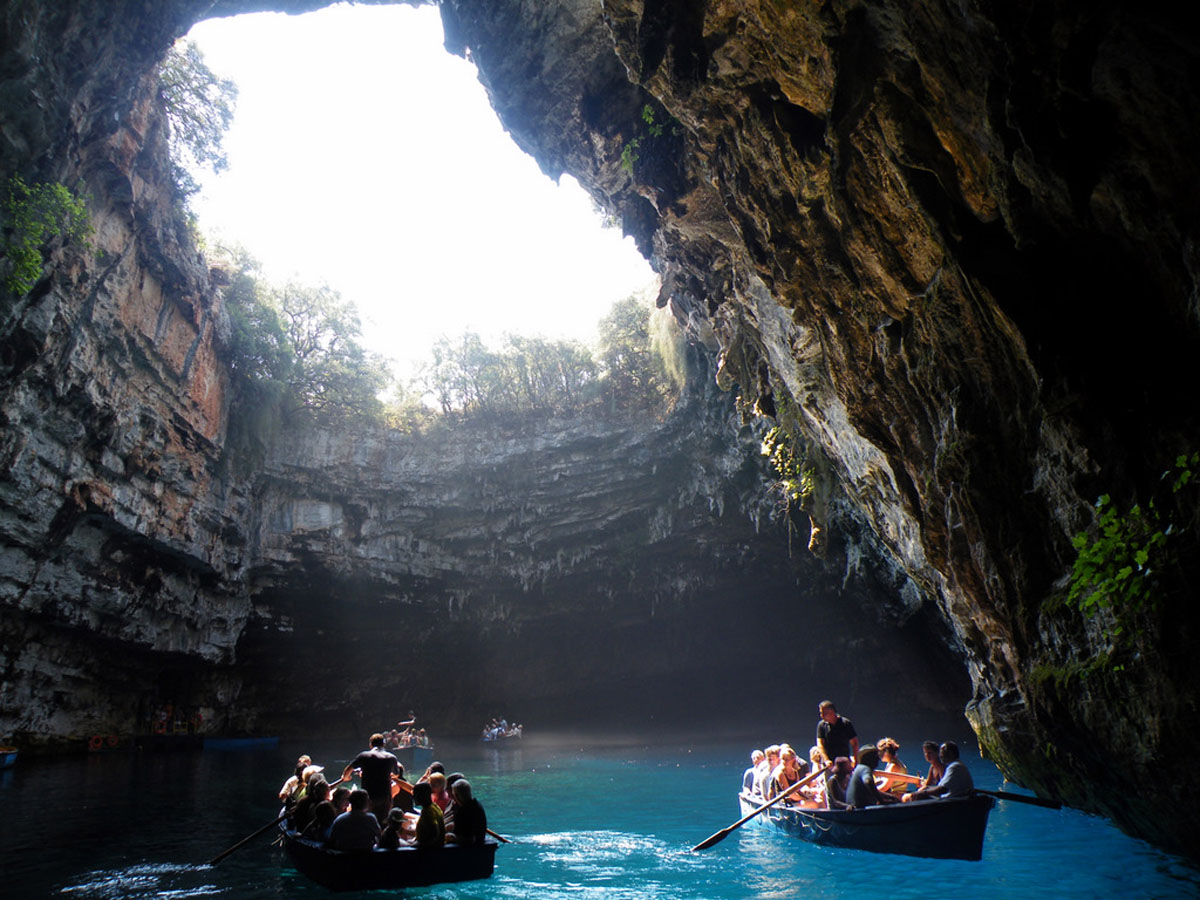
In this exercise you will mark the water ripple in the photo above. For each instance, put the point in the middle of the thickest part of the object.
(160, 881)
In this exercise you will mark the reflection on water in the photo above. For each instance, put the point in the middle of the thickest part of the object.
(608, 823)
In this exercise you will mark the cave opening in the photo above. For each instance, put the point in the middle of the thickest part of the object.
(447, 178)
(365, 156)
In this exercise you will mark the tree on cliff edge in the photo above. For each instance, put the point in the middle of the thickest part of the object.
(295, 353)
(200, 107)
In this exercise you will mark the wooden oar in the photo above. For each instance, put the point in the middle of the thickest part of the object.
(1021, 798)
(220, 856)
(1000, 795)
(899, 776)
(725, 832)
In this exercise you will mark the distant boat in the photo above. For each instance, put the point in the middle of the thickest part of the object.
(8, 757)
(340, 870)
(502, 740)
(933, 829)
(413, 758)
(246, 743)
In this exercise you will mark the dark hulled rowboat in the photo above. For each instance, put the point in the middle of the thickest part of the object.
(934, 829)
(339, 870)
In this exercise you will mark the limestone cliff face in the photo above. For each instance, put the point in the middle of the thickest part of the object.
(915, 232)
(116, 523)
(557, 570)
(574, 571)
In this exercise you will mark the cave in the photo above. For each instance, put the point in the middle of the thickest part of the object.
(951, 248)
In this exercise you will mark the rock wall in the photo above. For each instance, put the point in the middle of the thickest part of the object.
(116, 523)
(141, 567)
(913, 232)
(580, 572)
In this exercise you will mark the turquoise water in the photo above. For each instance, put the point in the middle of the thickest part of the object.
(587, 822)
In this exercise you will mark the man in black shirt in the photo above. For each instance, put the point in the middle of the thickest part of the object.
(835, 734)
(377, 767)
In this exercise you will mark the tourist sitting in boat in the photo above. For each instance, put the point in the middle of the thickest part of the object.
(837, 783)
(317, 792)
(936, 769)
(890, 762)
(323, 817)
(435, 766)
(956, 781)
(292, 785)
(470, 821)
(306, 775)
(431, 827)
(451, 808)
(401, 791)
(437, 784)
(392, 835)
(357, 828)
(340, 798)
(790, 771)
(762, 775)
(756, 757)
(862, 791)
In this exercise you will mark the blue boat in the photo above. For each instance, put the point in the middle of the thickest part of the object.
(933, 829)
(369, 870)
(8, 757)
(414, 759)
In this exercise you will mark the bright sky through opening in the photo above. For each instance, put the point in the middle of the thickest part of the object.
(366, 157)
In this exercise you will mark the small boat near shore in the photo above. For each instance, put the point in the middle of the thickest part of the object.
(339, 870)
(8, 757)
(933, 829)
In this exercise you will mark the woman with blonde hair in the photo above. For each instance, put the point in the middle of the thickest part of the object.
(787, 773)
(888, 748)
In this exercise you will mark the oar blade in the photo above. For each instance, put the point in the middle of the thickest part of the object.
(1021, 798)
(714, 839)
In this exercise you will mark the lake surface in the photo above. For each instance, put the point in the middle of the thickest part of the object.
(587, 821)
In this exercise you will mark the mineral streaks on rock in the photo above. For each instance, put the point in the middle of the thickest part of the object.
(548, 564)
(915, 226)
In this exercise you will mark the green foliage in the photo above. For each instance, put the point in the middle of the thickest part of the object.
(795, 478)
(200, 107)
(525, 375)
(405, 410)
(295, 353)
(34, 215)
(1121, 561)
(332, 377)
(635, 373)
(638, 365)
(654, 128)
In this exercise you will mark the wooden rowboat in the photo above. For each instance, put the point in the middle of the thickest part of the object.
(413, 758)
(934, 829)
(341, 870)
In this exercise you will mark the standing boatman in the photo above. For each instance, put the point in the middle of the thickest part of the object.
(377, 767)
(835, 735)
